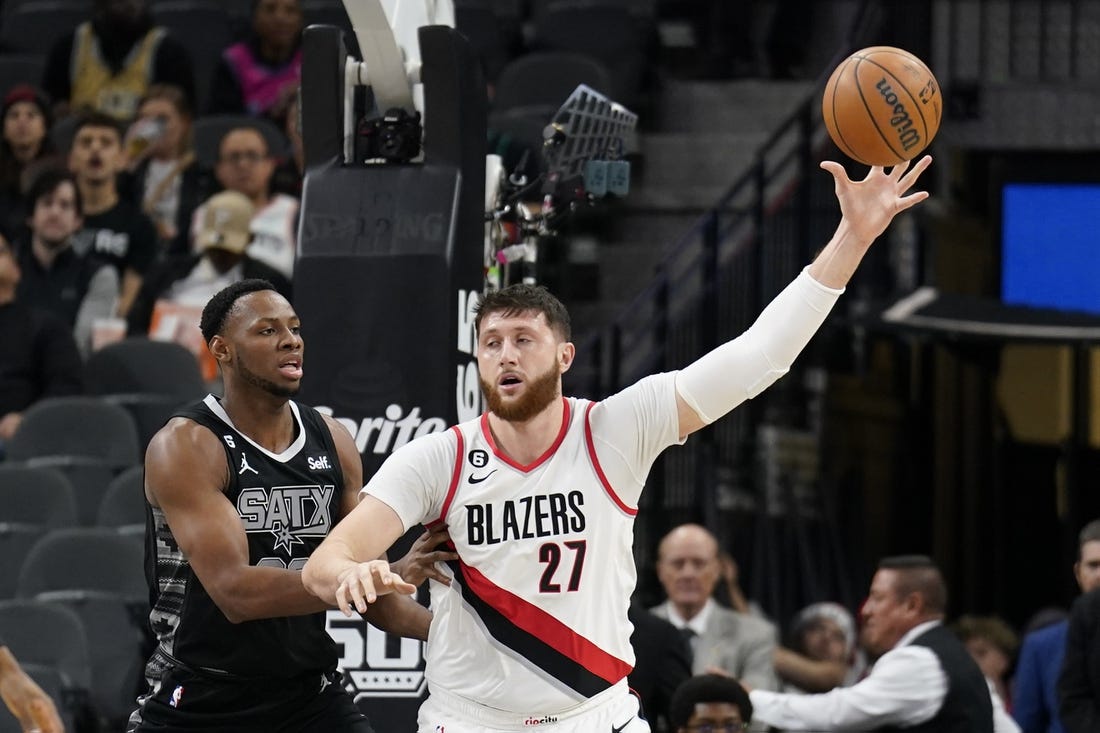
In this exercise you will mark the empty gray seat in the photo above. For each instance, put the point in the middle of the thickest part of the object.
(38, 496)
(123, 506)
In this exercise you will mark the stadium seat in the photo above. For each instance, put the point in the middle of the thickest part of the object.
(142, 365)
(123, 506)
(98, 574)
(20, 69)
(539, 83)
(92, 559)
(38, 496)
(204, 29)
(34, 27)
(605, 31)
(48, 635)
(16, 541)
(76, 426)
(85, 438)
(149, 379)
(210, 129)
(53, 683)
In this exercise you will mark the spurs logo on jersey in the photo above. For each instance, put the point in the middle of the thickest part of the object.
(287, 512)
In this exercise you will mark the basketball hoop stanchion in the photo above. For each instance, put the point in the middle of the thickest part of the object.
(582, 148)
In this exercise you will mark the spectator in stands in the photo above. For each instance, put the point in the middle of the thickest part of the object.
(291, 171)
(823, 653)
(662, 662)
(79, 288)
(245, 165)
(721, 640)
(223, 259)
(710, 702)
(108, 63)
(260, 75)
(923, 678)
(114, 228)
(39, 358)
(1035, 700)
(993, 644)
(25, 144)
(168, 184)
(32, 707)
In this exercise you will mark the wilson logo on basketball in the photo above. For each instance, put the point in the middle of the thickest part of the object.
(900, 121)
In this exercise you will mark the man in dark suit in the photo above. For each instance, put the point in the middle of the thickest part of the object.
(662, 663)
(1079, 684)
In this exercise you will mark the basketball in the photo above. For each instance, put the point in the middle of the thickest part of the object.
(882, 106)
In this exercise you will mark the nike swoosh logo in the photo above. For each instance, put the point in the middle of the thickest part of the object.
(620, 728)
(476, 480)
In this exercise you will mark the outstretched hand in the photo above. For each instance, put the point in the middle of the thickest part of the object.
(868, 206)
(423, 557)
(361, 585)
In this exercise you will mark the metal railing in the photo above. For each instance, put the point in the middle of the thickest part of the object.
(710, 286)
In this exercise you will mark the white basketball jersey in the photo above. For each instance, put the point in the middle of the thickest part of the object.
(535, 619)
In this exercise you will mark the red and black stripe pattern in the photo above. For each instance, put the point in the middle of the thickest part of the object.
(537, 636)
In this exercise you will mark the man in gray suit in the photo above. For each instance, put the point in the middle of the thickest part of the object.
(722, 641)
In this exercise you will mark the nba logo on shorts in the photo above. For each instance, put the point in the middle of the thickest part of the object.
(177, 695)
(439, 729)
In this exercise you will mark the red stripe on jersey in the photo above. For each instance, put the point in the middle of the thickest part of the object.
(487, 432)
(544, 627)
(456, 474)
(631, 511)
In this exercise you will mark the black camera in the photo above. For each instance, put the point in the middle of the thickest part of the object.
(394, 137)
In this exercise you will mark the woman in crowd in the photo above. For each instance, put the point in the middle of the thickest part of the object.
(260, 75)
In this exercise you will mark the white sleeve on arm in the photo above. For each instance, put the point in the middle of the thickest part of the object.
(744, 367)
(906, 687)
(414, 480)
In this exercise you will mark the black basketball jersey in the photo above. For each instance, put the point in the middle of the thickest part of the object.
(287, 503)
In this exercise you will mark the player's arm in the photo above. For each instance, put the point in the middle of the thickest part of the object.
(744, 367)
(185, 475)
(396, 613)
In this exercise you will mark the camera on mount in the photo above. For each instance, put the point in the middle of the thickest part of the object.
(395, 137)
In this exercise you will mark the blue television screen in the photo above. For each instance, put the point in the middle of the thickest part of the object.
(1050, 245)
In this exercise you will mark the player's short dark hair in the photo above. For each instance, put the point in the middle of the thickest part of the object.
(218, 307)
(98, 119)
(47, 181)
(918, 574)
(707, 688)
(522, 298)
(1089, 533)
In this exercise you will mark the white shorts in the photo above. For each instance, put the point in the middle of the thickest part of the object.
(612, 711)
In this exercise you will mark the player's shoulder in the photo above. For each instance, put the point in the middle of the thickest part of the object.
(181, 435)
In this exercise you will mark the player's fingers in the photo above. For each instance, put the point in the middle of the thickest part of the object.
(362, 591)
(906, 182)
(836, 169)
(439, 576)
(342, 599)
(911, 200)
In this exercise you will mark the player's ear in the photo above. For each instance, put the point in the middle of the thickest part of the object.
(219, 348)
(566, 353)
